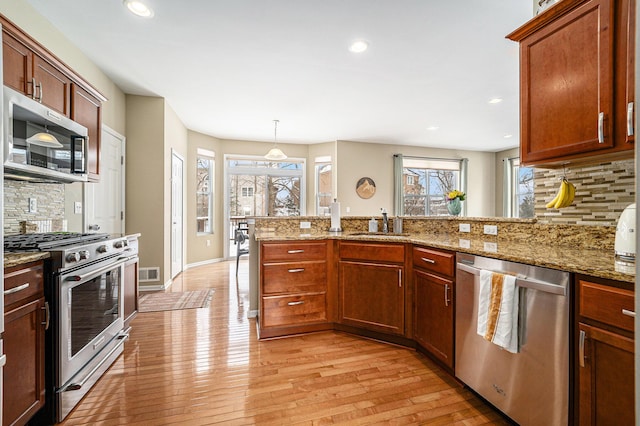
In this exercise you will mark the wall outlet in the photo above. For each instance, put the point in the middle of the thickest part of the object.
(33, 205)
(348, 209)
(464, 243)
(464, 227)
(492, 247)
(77, 207)
(208, 243)
(491, 229)
(305, 225)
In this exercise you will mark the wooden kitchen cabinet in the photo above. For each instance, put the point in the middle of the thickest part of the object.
(26, 318)
(576, 83)
(605, 353)
(433, 280)
(293, 288)
(31, 69)
(130, 291)
(372, 286)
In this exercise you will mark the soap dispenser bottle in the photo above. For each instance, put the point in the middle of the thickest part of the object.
(373, 225)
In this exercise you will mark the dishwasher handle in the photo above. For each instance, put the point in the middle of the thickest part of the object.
(522, 281)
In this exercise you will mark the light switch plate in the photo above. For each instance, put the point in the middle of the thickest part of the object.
(464, 243)
(491, 229)
(492, 247)
(33, 205)
(305, 225)
(77, 207)
(465, 227)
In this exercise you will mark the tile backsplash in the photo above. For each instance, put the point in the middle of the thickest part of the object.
(602, 193)
(50, 200)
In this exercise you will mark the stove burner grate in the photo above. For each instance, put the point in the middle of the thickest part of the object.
(47, 241)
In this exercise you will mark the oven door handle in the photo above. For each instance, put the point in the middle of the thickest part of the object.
(84, 277)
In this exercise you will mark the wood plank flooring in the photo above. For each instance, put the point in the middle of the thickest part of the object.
(206, 367)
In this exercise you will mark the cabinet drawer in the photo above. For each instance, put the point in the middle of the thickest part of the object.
(294, 251)
(293, 310)
(297, 277)
(23, 282)
(372, 251)
(606, 304)
(435, 261)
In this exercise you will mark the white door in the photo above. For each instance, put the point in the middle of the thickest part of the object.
(177, 163)
(104, 200)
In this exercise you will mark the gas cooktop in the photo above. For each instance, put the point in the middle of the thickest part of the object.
(48, 241)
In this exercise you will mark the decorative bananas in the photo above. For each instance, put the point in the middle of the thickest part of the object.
(564, 197)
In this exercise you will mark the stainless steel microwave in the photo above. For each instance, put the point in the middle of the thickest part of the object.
(40, 144)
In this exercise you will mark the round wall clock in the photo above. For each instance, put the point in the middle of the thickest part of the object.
(365, 188)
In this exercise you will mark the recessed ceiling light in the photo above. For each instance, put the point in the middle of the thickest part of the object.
(433, 128)
(495, 100)
(359, 46)
(139, 8)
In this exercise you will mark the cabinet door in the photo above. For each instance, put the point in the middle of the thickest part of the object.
(567, 85)
(606, 377)
(87, 110)
(130, 291)
(433, 317)
(625, 74)
(53, 88)
(372, 296)
(23, 375)
(17, 62)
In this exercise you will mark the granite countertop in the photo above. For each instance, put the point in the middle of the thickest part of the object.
(15, 259)
(596, 263)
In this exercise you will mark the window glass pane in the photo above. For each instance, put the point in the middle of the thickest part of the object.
(324, 183)
(204, 194)
(522, 191)
(426, 183)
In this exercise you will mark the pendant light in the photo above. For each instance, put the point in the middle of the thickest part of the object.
(275, 154)
(45, 139)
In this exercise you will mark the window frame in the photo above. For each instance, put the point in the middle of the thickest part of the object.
(320, 164)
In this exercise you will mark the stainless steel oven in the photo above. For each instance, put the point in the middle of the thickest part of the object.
(89, 310)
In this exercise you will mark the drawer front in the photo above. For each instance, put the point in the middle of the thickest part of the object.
(294, 251)
(372, 251)
(297, 277)
(606, 304)
(293, 310)
(23, 283)
(435, 261)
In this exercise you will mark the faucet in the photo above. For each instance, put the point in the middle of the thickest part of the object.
(385, 221)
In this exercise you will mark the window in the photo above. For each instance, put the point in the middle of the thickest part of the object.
(204, 191)
(422, 184)
(324, 182)
(520, 200)
(247, 191)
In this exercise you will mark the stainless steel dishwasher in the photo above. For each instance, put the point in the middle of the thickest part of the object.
(532, 385)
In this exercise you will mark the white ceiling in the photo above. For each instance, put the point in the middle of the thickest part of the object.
(230, 67)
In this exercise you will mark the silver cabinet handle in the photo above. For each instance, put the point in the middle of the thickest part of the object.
(399, 277)
(630, 119)
(601, 127)
(295, 251)
(446, 295)
(33, 88)
(17, 289)
(628, 313)
(296, 270)
(583, 336)
(299, 302)
(424, 259)
(47, 317)
(40, 98)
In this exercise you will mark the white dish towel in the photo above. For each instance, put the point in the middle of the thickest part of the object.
(498, 310)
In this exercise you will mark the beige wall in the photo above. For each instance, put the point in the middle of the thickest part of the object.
(501, 157)
(145, 195)
(358, 159)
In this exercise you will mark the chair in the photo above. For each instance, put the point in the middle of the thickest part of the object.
(241, 237)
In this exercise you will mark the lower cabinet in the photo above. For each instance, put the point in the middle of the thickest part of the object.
(130, 291)
(433, 320)
(25, 320)
(605, 353)
(372, 296)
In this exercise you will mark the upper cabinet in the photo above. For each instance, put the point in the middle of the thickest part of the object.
(32, 70)
(576, 83)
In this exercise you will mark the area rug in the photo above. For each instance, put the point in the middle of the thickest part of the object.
(173, 301)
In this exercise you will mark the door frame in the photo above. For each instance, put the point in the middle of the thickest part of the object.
(176, 156)
(123, 151)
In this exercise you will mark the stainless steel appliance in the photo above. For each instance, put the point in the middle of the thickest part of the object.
(532, 385)
(3, 357)
(85, 295)
(29, 159)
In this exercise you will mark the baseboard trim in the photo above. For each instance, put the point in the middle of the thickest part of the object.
(157, 287)
(202, 263)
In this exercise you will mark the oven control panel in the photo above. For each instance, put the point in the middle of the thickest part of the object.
(84, 254)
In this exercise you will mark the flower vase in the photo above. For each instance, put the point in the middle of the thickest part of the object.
(454, 206)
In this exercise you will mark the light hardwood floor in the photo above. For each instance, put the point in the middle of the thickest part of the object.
(205, 366)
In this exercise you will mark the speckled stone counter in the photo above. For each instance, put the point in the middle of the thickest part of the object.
(594, 262)
(16, 259)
